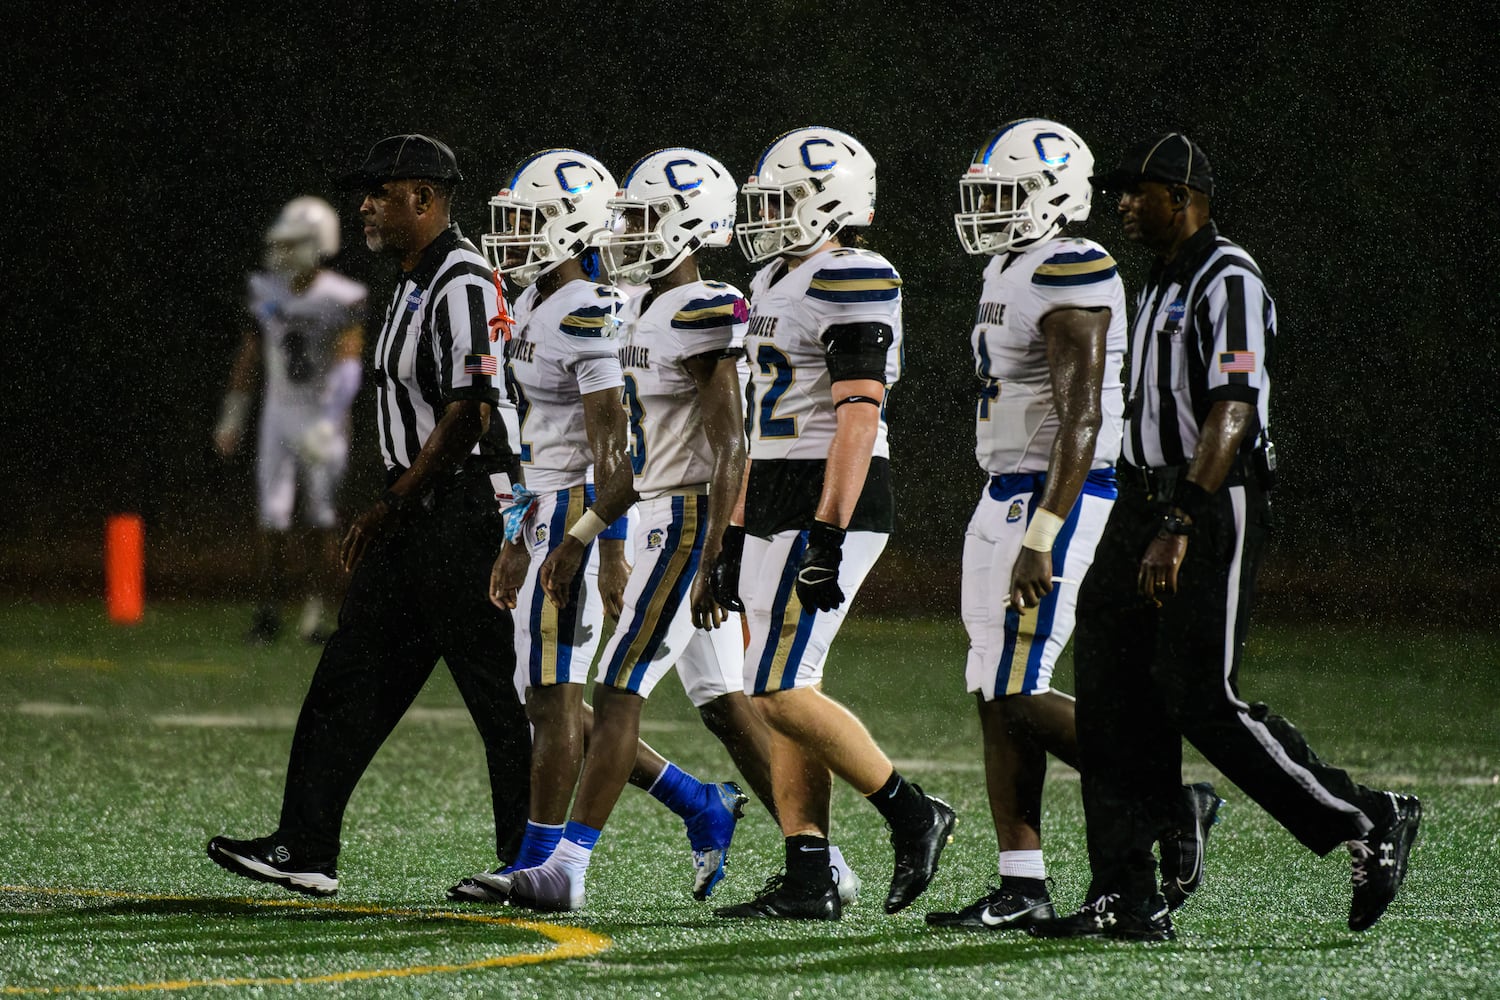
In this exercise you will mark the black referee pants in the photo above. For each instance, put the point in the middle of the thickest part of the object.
(1148, 677)
(420, 595)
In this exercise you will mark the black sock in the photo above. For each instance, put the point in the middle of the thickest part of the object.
(903, 807)
(807, 863)
(1029, 886)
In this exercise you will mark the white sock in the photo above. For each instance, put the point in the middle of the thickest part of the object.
(574, 858)
(1022, 864)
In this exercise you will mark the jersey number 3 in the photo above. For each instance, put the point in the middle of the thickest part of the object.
(637, 414)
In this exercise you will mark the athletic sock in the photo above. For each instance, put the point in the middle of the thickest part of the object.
(903, 807)
(679, 791)
(1023, 864)
(807, 864)
(576, 848)
(537, 845)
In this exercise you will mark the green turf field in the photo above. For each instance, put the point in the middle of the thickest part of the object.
(123, 750)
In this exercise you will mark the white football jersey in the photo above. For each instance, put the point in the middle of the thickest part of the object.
(791, 406)
(1016, 420)
(668, 447)
(299, 333)
(560, 350)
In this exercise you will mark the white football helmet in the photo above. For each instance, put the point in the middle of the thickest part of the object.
(303, 235)
(674, 201)
(1027, 181)
(807, 185)
(548, 212)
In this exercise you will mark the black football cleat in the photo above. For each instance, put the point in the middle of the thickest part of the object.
(783, 900)
(1109, 917)
(1379, 861)
(266, 860)
(1182, 848)
(1003, 909)
(917, 854)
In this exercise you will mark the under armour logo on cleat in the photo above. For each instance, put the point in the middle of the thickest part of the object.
(1387, 855)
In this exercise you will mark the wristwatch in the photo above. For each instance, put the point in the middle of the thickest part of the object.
(1173, 523)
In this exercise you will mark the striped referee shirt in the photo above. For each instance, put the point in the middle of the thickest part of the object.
(435, 349)
(1203, 332)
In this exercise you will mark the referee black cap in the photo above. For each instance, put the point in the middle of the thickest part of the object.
(1170, 158)
(405, 156)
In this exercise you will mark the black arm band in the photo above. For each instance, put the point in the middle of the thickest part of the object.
(857, 399)
(1190, 498)
(857, 350)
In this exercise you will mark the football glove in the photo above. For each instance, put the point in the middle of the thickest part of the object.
(320, 442)
(724, 576)
(818, 579)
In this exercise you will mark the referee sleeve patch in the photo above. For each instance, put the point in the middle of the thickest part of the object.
(1064, 270)
(711, 313)
(855, 284)
(590, 321)
(481, 364)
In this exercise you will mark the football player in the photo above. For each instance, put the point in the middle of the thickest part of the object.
(1048, 344)
(562, 365)
(306, 336)
(824, 343)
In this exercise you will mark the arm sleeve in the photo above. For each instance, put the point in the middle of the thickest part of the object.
(461, 342)
(1241, 318)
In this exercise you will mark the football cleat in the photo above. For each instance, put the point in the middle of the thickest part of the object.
(1182, 848)
(1378, 860)
(1108, 917)
(549, 888)
(917, 854)
(484, 887)
(266, 860)
(1000, 910)
(782, 899)
(844, 878)
(709, 832)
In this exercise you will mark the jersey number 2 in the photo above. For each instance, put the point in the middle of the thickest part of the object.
(773, 362)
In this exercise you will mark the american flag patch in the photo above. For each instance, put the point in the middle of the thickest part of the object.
(481, 364)
(1236, 361)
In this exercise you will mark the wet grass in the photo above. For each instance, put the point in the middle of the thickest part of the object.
(123, 750)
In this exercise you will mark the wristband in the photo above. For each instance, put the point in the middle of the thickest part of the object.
(587, 527)
(1041, 533)
(825, 535)
(1190, 498)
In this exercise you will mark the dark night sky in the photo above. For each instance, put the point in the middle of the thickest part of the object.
(1355, 149)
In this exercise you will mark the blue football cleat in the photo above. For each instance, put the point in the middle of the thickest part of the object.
(709, 832)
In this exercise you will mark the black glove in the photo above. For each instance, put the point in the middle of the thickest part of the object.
(818, 579)
(724, 575)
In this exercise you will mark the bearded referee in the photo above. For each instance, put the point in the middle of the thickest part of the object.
(420, 555)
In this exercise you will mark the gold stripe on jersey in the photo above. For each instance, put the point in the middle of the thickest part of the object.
(587, 322)
(553, 619)
(854, 284)
(711, 312)
(1103, 263)
(651, 614)
(1020, 655)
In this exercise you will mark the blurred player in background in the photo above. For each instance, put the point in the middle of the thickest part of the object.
(306, 338)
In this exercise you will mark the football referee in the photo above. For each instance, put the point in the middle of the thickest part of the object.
(1164, 611)
(421, 554)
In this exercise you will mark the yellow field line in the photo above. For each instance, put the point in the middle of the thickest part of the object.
(571, 942)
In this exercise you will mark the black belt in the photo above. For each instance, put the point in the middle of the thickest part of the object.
(1157, 482)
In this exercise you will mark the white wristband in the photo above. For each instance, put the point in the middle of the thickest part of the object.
(587, 527)
(1042, 531)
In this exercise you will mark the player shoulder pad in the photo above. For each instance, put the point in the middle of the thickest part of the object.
(711, 305)
(594, 313)
(851, 275)
(1070, 263)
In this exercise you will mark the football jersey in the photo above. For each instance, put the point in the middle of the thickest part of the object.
(1016, 420)
(791, 406)
(561, 349)
(668, 447)
(299, 333)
